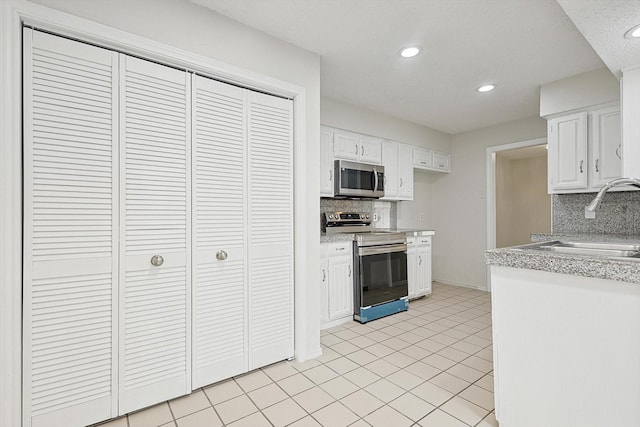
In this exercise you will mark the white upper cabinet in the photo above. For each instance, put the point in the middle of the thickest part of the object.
(390, 163)
(357, 147)
(405, 172)
(567, 139)
(422, 158)
(441, 161)
(326, 162)
(584, 150)
(606, 156)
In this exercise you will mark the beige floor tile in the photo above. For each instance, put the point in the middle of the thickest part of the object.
(313, 399)
(449, 382)
(307, 364)
(453, 354)
(486, 383)
(387, 416)
(328, 355)
(488, 421)
(279, 371)
(395, 343)
(380, 350)
(439, 362)
(267, 396)
(399, 359)
(236, 408)
(485, 354)
(320, 374)
(478, 363)
(422, 370)
(346, 334)
(335, 415)
(360, 423)
(186, 405)
(466, 347)
(284, 413)
(456, 334)
(362, 403)
(378, 336)
(295, 384)
(423, 331)
(381, 367)
(361, 377)
(464, 410)
(223, 391)
(362, 341)
(443, 339)
(205, 418)
(392, 331)
(169, 424)
(253, 420)
(345, 348)
(385, 390)
(415, 352)
(466, 373)
(432, 393)
(329, 340)
(343, 365)
(339, 387)
(253, 380)
(405, 379)
(411, 406)
(153, 416)
(307, 421)
(116, 422)
(479, 396)
(362, 357)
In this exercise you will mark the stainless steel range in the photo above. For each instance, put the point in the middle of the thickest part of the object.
(380, 265)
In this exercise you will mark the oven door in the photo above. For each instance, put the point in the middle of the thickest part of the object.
(381, 274)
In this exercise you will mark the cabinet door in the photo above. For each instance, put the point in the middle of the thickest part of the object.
(345, 145)
(340, 286)
(424, 266)
(155, 242)
(270, 231)
(219, 223)
(70, 232)
(422, 158)
(370, 150)
(326, 162)
(324, 285)
(390, 163)
(606, 160)
(412, 264)
(441, 161)
(405, 172)
(568, 153)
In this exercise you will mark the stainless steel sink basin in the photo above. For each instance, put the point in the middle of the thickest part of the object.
(614, 250)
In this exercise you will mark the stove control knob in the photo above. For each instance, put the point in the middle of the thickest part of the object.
(330, 216)
(367, 216)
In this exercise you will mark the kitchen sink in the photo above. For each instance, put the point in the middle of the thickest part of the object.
(615, 250)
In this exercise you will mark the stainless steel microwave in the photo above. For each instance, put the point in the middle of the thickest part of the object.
(358, 180)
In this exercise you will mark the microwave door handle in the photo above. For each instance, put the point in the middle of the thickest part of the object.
(375, 179)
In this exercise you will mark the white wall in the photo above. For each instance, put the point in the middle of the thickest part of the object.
(196, 29)
(460, 214)
(580, 91)
(350, 117)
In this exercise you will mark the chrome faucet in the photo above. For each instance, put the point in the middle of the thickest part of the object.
(595, 203)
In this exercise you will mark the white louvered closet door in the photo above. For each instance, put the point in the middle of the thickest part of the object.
(270, 197)
(155, 296)
(70, 212)
(219, 224)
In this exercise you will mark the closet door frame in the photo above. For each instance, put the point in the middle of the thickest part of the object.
(16, 13)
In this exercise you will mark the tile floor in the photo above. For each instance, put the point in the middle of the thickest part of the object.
(430, 366)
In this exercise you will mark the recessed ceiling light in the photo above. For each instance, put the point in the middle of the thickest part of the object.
(633, 33)
(486, 88)
(409, 52)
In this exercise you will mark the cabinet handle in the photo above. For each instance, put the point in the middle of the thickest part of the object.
(618, 152)
(157, 260)
(221, 255)
(349, 271)
(419, 260)
(330, 175)
(581, 163)
(324, 274)
(356, 149)
(400, 182)
(597, 168)
(362, 150)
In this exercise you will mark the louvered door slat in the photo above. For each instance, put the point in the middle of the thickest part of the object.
(270, 195)
(155, 220)
(219, 347)
(70, 205)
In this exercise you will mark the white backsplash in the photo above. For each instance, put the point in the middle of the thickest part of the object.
(386, 212)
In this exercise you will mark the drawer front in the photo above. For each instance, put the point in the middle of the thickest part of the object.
(342, 248)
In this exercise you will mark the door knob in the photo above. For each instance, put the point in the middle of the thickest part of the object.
(157, 260)
(221, 255)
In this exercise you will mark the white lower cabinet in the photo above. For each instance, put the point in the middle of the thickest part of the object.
(337, 283)
(419, 265)
(131, 176)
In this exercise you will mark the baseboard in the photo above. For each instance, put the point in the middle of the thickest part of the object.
(464, 285)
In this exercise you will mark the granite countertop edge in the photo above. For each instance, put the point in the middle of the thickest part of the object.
(577, 265)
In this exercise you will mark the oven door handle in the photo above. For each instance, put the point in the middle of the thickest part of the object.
(377, 250)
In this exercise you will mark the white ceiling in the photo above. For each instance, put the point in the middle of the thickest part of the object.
(603, 23)
(517, 44)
